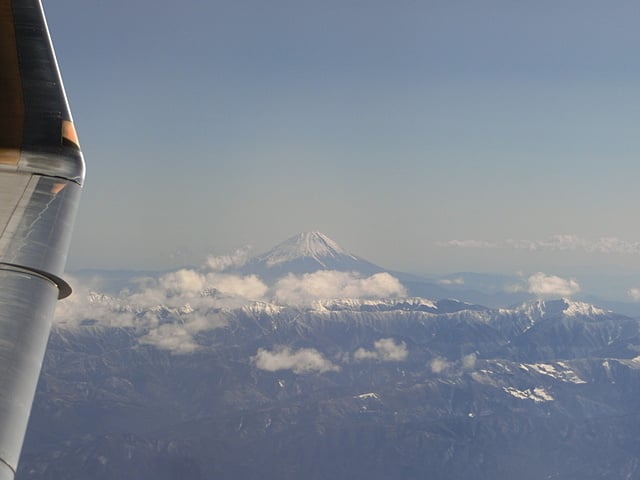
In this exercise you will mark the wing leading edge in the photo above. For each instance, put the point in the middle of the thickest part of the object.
(41, 175)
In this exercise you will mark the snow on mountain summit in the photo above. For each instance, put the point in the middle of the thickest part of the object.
(540, 309)
(582, 308)
(306, 253)
(313, 245)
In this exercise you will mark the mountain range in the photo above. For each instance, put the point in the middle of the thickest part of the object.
(372, 387)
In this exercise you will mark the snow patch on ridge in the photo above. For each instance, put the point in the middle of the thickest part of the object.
(632, 363)
(263, 307)
(560, 371)
(381, 305)
(537, 394)
(581, 308)
(541, 309)
(366, 396)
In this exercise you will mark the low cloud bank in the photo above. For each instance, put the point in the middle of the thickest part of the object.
(170, 310)
(384, 350)
(329, 284)
(199, 289)
(305, 360)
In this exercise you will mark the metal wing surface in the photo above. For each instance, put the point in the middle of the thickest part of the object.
(41, 174)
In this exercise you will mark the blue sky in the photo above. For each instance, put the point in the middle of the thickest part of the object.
(393, 127)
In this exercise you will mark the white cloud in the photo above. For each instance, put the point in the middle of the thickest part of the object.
(439, 365)
(561, 243)
(191, 299)
(192, 286)
(469, 361)
(330, 284)
(385, 350)
(181, 282)
(634, 294)
(149, 321)
(249, 287)
(169, 311)
(173, 337)
(543, 285)
(223, 262)
(305, 360)
(83, 305)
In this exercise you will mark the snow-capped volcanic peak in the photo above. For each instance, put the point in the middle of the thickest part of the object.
(306, 253)
(313, 245)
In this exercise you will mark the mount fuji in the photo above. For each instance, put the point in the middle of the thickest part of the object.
(307, 252)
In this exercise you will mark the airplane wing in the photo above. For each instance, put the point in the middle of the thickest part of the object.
(41, 175)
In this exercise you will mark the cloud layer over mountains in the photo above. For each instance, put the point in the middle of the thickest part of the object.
(305, 360)
(171, 310)
(384, 350)
(330, 284)
(199, 300)
(308, 360)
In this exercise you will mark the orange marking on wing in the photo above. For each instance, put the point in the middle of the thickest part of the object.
(57, 188)
(69, 133)
(9, 156)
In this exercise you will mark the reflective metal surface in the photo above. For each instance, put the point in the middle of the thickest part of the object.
(26, 307)
(6, 473)
(38, 234)
(41, 173)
